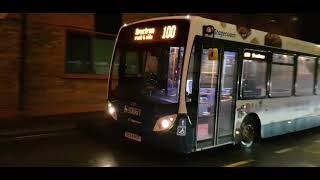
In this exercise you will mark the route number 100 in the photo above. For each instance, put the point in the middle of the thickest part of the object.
(169, 32)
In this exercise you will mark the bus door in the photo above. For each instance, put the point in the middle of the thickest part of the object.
(213, 95)
(227, 97)
(205, 90)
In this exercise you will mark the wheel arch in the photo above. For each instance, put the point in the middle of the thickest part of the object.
(256, 119)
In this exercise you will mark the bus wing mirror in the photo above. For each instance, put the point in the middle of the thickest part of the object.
(213, 54)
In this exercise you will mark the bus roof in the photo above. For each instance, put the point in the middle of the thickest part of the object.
(237, 33)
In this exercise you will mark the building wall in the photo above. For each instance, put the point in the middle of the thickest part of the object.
(9, 65)
(47, 90)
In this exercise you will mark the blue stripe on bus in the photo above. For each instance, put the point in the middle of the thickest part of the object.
(284, 127)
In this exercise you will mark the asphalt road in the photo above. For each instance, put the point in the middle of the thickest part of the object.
(76, 148)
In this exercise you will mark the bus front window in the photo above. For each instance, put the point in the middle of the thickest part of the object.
(152, 72)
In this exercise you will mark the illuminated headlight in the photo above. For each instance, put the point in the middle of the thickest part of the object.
(112, 111)
(165, 123)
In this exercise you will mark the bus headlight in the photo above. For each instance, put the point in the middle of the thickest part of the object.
(112, 110)
(165, 123)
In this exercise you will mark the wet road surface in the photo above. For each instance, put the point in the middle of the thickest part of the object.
(76, 148)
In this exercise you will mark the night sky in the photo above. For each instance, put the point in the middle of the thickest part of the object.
(308, 28)
(108, 22)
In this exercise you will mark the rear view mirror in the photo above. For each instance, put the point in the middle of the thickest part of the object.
(213, 54)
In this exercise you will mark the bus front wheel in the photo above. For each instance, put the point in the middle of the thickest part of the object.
(248, 131)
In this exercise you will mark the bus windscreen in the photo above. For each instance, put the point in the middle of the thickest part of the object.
(149, 57)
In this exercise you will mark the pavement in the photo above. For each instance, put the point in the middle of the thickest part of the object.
(12, 128)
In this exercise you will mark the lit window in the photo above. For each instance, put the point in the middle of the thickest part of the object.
(281, 75)
(253, 78)
(305, 75)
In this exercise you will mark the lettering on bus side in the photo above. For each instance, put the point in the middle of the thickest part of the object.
(224, 34)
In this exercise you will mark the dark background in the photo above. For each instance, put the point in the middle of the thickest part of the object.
(308, 27)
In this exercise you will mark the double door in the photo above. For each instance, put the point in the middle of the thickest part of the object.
(215, 89)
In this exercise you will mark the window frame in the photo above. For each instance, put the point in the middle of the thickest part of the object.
(266, 60)
(316, 80)
(314, 73)
(91, 35)
(284, 64)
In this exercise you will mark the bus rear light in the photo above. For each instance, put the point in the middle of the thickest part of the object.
(165, 123)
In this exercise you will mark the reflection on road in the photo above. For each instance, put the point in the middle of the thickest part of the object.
(105, 150)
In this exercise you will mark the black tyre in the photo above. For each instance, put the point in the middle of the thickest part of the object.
(249, 133)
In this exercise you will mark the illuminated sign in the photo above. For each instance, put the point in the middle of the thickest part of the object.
(258, 56)
(254, 55)
(247, 54)
(169, 32)
(144, 34)
(148, 34)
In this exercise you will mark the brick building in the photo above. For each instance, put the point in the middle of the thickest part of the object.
(52, 63)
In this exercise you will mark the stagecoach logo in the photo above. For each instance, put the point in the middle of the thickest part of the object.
(132, 110)
(224, 34)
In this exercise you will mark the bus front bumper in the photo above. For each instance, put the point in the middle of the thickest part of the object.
(167, 141)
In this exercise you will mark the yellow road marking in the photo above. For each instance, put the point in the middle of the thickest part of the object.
(317, 141)
(285, 150)
(239, 163)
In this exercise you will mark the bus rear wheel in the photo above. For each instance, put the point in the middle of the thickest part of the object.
(248, 133)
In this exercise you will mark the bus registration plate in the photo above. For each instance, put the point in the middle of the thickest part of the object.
(132, 136)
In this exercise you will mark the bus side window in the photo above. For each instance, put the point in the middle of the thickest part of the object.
(253, 78)
(281, 75)
(305, 75)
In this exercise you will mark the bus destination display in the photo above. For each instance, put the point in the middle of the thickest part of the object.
(155, 33)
